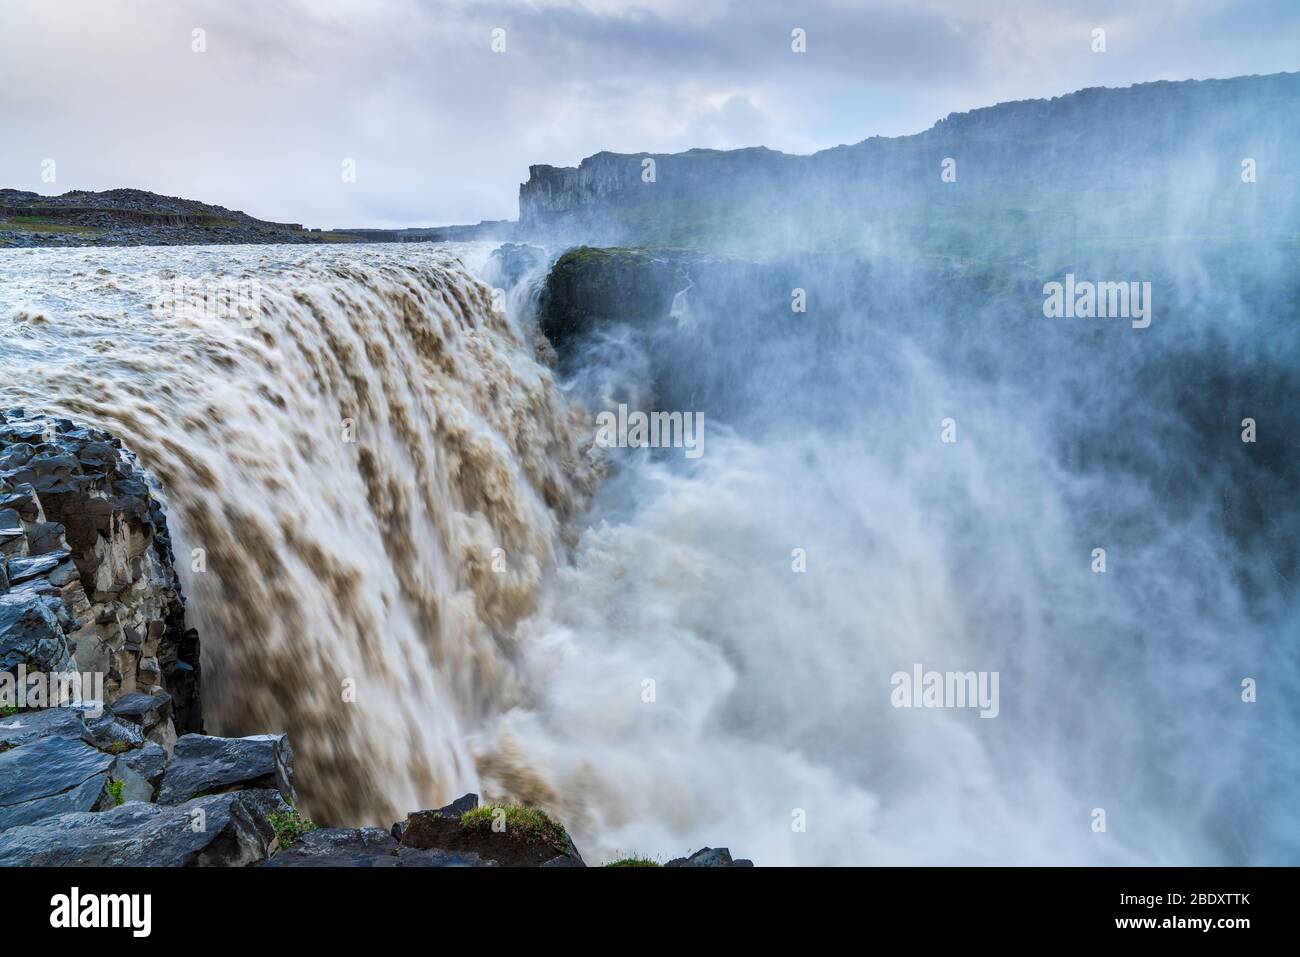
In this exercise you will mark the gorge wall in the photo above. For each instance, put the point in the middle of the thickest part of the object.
(1143, 153)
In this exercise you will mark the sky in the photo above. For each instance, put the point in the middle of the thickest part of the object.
(441, 128)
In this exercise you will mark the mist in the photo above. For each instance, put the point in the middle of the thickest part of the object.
(943, 461)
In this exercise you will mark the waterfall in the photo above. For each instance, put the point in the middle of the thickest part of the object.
(366, 472)
(400, 547)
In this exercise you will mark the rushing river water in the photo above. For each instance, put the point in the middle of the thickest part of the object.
(399, 545)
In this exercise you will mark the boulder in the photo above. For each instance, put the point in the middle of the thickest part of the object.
(47, 766)
(144, 710)
(50, 775)
(519, 845)
(30, 634)
(29, 725)
(111, 733)
(35, 566)
(709, 857)
(13, 540)
(221, 830)
(149, 762)
(203, 764)
(452, 811)
(87, 796)
(134, 786)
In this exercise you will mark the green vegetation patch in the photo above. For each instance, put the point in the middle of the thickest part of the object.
(36, 224)
(115, 789)
(523, 823)
(289, 826)
(635, 860)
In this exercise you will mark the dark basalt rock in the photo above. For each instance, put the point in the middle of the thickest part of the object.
(86, 796)
(144, 710)
(49, 776)
(148, 762)
(366, 847)
(202, 764)
(222, 830)
(442, 830)
(36, 566)
(13, 540)
(112, 733)
(589, 286)
(81, 531)
(451, 811)
(340, 847)
(29, 726)
(30, 634)
(709, 857)
(432, 857)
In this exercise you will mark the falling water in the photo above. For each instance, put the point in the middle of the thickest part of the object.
(367, 470)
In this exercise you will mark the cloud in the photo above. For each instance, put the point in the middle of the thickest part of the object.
(442, 129)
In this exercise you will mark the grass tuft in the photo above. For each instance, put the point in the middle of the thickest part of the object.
(525, 823)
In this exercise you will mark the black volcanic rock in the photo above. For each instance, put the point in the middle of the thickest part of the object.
(30, 634)
(235, 831)
(709, 857)
(88, 570)
(202, 764)
(132, 217)
(590, 285)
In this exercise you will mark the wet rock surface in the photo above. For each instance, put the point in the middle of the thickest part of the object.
(202, 764)
(709, 857)
(223, 830)
(88, 581)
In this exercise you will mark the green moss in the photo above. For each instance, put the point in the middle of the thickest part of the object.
(115, 789)
(524, 823)
(602, 257)
(289, 826)
(36, 224)
(117, 747)
(8, 710)
(635, 860)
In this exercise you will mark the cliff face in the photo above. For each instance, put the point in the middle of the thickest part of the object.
(1126, 154)
(86, 571)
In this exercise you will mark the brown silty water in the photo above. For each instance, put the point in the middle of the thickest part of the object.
(366, 471)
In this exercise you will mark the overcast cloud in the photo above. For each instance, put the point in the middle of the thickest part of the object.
(443, 130)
